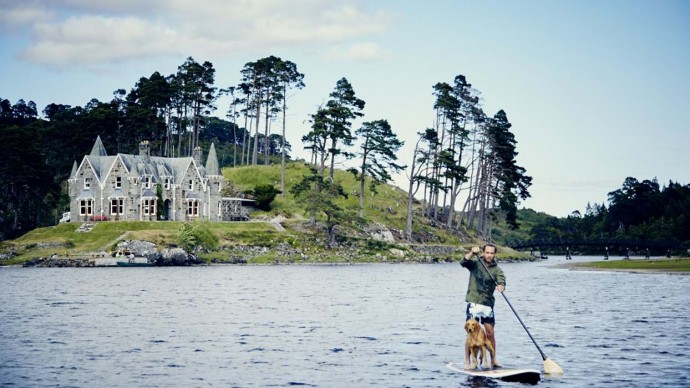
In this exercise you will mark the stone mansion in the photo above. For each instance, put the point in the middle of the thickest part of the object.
(124, 187)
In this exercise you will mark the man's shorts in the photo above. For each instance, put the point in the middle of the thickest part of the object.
(483, 314)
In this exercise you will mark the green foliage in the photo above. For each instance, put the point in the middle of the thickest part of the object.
(25, 181)
(318, 197)
(331, 125)
(160, 209)
(185, 238)
(193, 235)
(264, 195)
(514, 181)
(639, 211)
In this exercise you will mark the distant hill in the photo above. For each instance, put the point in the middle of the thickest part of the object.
(528, 220)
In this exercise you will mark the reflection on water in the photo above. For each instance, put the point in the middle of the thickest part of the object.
(332, 326)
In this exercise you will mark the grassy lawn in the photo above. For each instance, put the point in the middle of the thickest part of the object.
(672, 265)
(64, 239)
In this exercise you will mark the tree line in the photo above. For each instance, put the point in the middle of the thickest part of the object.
(465, 152)
(638, 211)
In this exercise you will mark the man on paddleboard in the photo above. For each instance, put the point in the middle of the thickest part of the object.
(480, 291)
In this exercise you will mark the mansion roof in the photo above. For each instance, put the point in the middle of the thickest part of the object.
(143, 165)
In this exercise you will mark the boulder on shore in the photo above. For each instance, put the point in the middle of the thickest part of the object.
(176, 257)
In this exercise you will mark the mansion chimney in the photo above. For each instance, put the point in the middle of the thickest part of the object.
(196, 154)
(145, 150)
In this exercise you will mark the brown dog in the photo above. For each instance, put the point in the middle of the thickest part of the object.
(478, 345)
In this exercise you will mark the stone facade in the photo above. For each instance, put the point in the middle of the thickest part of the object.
(125, 187)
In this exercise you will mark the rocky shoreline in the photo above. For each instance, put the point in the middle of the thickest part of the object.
(166, 257)
(282, 254)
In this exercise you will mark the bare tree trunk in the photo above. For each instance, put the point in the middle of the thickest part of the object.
(473, 198)
(245, 141)
(361, 197)
(180, 123)
(256, 131)
(266, 130)
(410, 202)
(234, 145)
(445, 179)
(332, 169)
(282, 148)
(323, 157)
(476, 198)
(472, 170)
(424, 200)
(451, 208)
(411, 192)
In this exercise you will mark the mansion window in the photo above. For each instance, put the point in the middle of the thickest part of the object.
(193, 208)
(147, 182)
(167, 183)
(87, 183)
(191, 185)
(118, 182)
(117, 206)
(86, 207)
(148, 206)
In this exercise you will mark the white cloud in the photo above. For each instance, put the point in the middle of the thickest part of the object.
(16, 16)
(359, 52)
(96, 33)
(97, 39)
(365, 52)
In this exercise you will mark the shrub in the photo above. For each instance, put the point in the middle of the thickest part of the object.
(264, 195)
(195, 235)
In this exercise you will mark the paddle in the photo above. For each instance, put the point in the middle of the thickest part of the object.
(550, 366)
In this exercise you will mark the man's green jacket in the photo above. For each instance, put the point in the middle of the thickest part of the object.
(481, 288)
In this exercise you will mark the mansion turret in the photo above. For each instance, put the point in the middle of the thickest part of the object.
(127, 187)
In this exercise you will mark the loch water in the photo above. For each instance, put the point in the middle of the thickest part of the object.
(387, 325)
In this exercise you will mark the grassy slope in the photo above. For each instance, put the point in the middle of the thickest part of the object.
(527, 218)
(388, 206)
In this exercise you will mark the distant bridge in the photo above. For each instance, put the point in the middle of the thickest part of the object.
(613, 245)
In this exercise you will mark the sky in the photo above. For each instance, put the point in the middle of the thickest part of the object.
(596, 91)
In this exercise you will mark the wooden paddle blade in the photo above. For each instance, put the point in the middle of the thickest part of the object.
(551, 368)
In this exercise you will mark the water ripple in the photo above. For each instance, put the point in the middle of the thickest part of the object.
(330, 326)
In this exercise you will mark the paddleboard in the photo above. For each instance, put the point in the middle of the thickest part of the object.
(529, 376)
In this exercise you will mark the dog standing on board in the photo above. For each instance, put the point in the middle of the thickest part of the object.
(479, 345)
(485, 278)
